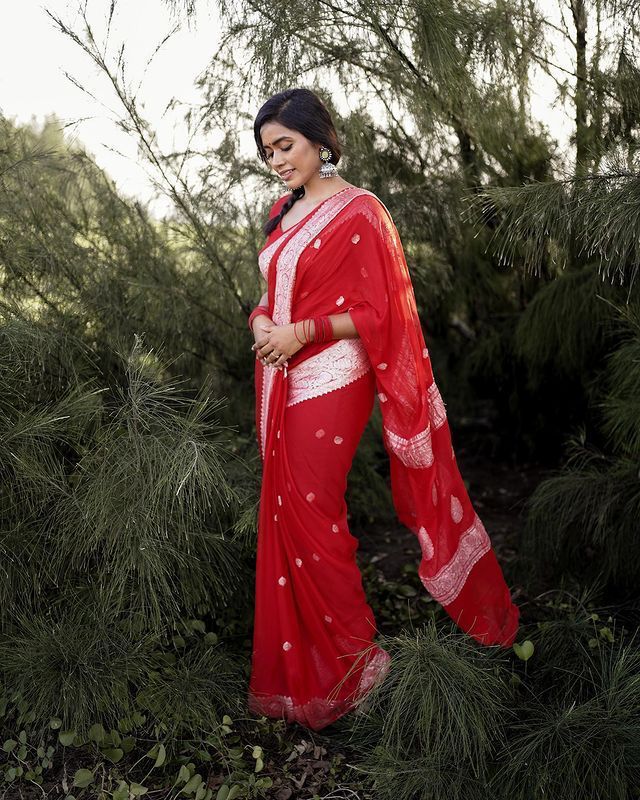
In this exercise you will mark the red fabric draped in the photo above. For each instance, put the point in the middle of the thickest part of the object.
(314, 656)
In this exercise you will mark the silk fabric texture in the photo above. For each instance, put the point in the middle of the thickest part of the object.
(314, 656)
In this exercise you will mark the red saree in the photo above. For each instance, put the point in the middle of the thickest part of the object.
(313, 654)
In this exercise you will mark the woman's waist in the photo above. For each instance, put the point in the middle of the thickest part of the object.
(321, 368)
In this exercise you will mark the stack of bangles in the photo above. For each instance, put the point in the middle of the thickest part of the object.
(314, 329)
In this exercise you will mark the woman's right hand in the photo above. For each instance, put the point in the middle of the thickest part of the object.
(260, 338)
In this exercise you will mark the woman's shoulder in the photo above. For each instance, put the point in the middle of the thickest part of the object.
(369, 204)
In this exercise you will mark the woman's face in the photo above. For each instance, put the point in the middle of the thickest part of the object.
(290, 154)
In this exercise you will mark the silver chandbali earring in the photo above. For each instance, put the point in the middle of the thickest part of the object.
(327, 170)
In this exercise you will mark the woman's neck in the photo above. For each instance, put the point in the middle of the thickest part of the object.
(317, 189)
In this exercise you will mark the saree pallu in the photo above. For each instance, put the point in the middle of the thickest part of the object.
(314, 656)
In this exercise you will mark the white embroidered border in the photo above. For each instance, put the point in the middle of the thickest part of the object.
(268, 374)
(437, 410)
(323, 710)
(264, 257)
(333, 368)
(447, 583)
(415, 452)
(286, 273)
(288, 258)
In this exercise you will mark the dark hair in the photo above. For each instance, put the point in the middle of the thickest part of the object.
(303, 111)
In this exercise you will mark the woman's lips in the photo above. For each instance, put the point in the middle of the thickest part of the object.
(286, 174)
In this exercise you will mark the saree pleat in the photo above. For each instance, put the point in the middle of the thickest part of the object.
(314, 655)
(312, 623)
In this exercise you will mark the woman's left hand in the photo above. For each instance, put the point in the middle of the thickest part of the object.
(281, 343)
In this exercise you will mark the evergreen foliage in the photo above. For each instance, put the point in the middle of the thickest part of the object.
(130, 476)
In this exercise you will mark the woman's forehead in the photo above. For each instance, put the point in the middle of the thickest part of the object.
(272, 132)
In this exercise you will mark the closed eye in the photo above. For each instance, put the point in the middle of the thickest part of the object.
(284, 150)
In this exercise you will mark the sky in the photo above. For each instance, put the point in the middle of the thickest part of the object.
(34, 56)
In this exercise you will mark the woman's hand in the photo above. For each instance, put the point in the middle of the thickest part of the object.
(277, 344)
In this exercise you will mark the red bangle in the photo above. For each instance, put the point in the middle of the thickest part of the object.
(323, 329)
(256, 313)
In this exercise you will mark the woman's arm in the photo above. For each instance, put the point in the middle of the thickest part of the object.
(286, 340)
(343, 327)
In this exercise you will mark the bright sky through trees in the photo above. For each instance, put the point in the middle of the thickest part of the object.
(34, 57)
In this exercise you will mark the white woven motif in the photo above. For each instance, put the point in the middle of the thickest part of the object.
(332, 368)
(448, 581)
(415, 452)
(456, 509)
(436, 406)
(425, 543)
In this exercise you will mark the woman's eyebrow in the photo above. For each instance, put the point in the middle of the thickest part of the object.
(279, 139)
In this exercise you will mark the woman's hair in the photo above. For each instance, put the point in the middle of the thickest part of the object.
(303, 111)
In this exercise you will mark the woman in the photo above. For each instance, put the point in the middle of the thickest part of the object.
(338, 325)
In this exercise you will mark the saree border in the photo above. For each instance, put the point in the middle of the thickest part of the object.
(333, 368)
(448, 581)
(287, 262)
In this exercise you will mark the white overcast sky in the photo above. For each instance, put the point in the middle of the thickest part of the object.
(34, 56)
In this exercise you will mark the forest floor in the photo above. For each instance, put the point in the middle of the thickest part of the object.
(305, 764)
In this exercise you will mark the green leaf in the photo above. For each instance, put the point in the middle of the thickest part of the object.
(235, 791)
(122, 792)
(9, 745)
(83, 778)
(606, 634)
(192, 784)
(259, 765)
(198, 625)
(226, 720)
(114, 754)
(23, 737)
(97, 733)
(201, 792)
(257, 751)
(138, 789)
(184, 773)
(161, 757)
(524, 651)
(223, 792)
(66, 737)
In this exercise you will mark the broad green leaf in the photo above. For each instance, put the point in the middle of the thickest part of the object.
(114, 754)
(161, 757)
(83, 778)
(524, 651)
(192, 784)
(121, 793)
(97, 733)
(66, 737)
